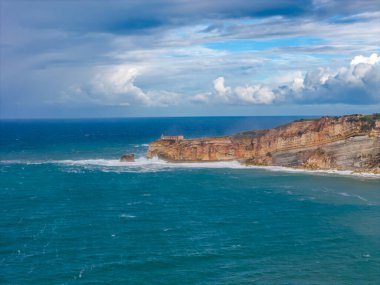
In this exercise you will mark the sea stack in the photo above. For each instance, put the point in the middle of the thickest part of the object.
(127, 158)
(345, 143)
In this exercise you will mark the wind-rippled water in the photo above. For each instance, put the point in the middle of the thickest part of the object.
(71, 213)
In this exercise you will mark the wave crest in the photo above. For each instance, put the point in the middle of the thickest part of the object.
(143, 164)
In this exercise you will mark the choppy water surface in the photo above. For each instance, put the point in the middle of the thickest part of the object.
(71, 213)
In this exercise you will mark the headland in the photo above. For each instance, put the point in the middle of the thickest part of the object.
(349, 142)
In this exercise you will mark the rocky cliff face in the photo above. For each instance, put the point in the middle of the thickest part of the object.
(346, 143)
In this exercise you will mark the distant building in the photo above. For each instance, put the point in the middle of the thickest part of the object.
(172, 138)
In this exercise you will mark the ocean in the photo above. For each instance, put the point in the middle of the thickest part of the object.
(71, 213)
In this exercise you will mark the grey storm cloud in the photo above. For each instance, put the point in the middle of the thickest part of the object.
(137, 15)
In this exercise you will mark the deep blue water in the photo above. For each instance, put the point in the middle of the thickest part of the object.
(72, 214)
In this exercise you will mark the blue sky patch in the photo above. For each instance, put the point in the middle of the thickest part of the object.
(242, 45)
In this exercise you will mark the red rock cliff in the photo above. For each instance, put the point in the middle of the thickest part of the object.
(347, 142)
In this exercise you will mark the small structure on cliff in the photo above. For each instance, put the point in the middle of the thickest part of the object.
(172, 138)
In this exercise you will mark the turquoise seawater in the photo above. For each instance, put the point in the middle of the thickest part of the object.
(72, 214)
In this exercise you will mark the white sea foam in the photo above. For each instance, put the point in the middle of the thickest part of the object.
(155, 164)
(126, 216)
(352, 195)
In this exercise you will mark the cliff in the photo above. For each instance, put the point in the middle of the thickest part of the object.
(345, 143)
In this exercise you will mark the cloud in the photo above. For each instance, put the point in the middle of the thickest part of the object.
(359, 83)
(116, 86)
(221, 91)
(119, 83)
(169, 50)
(119, 17)
(201, 98)
(256, 94)
(373, 59)
(248, 94)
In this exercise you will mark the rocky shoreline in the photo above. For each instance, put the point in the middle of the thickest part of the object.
(329, 143)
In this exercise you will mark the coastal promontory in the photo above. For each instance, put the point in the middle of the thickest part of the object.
(349, 142)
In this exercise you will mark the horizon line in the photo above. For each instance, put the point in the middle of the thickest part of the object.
(155, 117)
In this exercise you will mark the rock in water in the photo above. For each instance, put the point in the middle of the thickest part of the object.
(128, 158)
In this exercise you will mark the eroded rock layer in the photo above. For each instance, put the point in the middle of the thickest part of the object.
(346, 143)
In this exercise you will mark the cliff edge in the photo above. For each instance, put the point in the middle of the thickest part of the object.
(345, 143)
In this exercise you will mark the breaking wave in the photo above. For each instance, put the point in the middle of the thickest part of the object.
(155, 164)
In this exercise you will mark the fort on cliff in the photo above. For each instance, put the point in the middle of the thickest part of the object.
(172, 138)
(346, 143)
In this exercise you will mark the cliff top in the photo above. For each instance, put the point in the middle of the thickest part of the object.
(364, 123)
(300, 126)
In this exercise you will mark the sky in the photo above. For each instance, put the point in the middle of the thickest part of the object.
(133, 58)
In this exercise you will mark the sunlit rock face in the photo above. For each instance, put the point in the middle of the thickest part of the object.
(347, 143)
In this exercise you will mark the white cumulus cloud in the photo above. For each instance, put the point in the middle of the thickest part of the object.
(255, 94)
(116, 86)
(222, 91)
(374, 58)
(357, 83)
